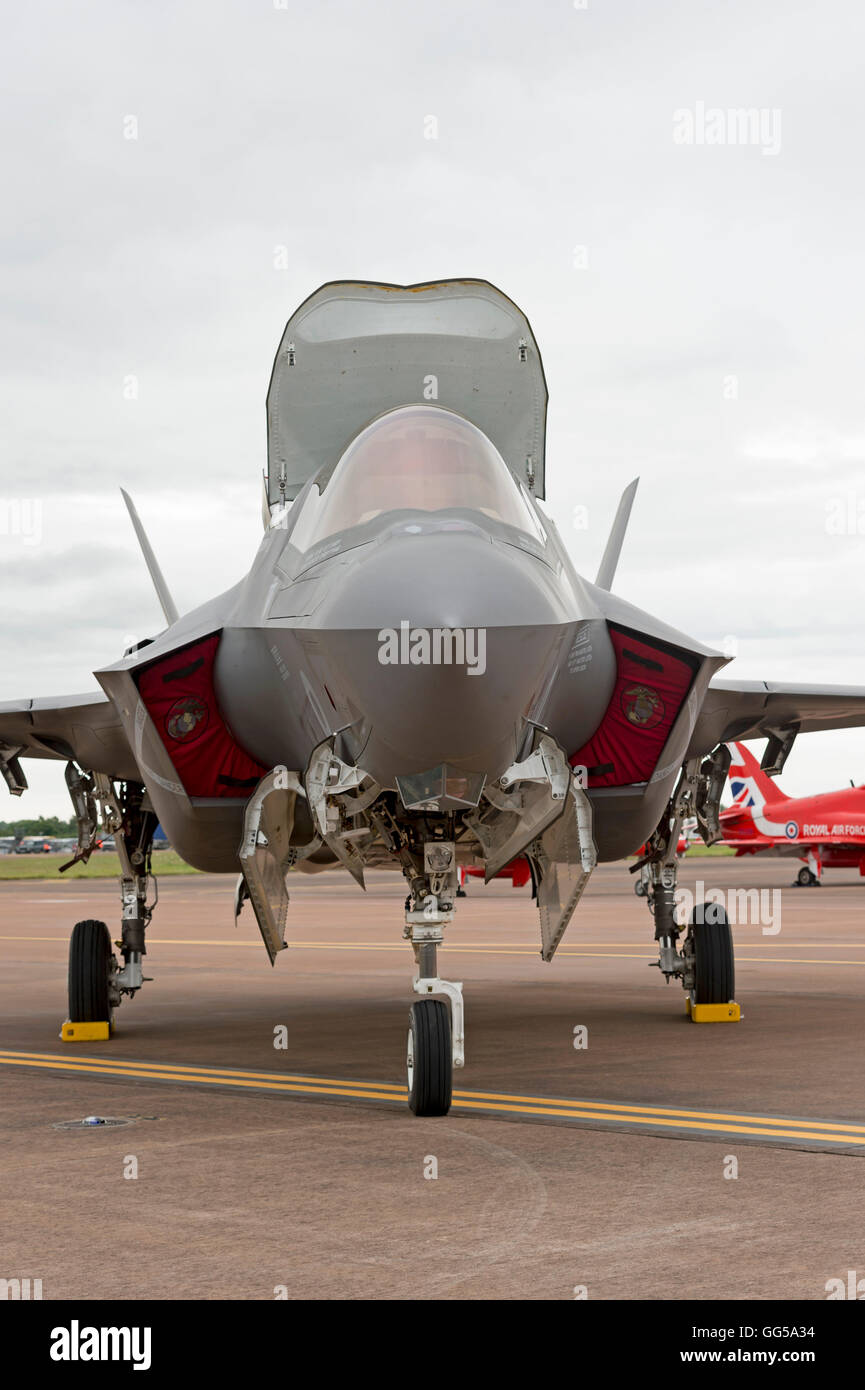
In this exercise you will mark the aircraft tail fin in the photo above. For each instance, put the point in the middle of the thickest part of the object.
(163, 593)
(749, 784)
(610, 560)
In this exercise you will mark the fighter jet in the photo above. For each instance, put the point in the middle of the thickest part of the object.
(412, 674)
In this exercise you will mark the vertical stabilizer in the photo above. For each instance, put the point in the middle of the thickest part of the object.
(607, 571)
(748, 782)
(167, 603)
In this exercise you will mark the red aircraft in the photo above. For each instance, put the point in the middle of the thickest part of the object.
(517, 871)
(827, 830)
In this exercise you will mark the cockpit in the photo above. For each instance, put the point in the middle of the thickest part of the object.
(418, 458)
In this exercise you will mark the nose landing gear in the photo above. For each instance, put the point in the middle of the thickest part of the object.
(436, 1037)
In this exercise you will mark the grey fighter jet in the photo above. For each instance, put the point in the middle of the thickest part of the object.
(411, 675)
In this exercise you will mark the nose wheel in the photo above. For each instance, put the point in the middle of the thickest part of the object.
(429, 1069)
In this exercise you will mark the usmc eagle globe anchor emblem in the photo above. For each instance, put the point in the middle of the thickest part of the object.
(643, 706)
(184, 717)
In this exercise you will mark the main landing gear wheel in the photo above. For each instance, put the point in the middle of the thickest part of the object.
(806, 879)
(714, 974)
(90, 959)
(429, 1058)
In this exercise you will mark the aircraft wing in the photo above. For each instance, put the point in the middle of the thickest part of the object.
(85, 728)
(756, 709)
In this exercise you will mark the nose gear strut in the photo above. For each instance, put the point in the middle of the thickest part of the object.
(435, 1045)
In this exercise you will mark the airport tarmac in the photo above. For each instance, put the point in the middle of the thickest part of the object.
(299, 1170)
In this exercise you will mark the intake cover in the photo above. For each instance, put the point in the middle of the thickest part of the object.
(652, 681)
(179, 695)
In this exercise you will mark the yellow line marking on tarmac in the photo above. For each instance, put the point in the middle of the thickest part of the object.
(798, 960)
(611, 1112)
(365, 1091)
(458, 950)
(602, 1106)
(393, 946)
(234, 940)
(189, 1068)
(650, 1122)
(192, 1069)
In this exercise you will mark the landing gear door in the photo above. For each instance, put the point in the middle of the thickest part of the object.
(563, 859)
(265, 855)
(512, 820)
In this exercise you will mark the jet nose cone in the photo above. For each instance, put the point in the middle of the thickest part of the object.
(457, 578)
(445, 641)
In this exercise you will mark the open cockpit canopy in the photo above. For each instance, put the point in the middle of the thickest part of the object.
(353, 351)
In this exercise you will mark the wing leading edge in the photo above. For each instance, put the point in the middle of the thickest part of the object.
(83, 728)
(766, 709)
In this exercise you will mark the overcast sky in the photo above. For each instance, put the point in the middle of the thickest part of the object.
(696, 288)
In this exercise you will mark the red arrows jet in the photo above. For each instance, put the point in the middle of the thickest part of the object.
(517, 871)
(827, 830)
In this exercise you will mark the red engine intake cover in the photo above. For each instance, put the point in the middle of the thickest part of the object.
(180, 699)
(651, 684)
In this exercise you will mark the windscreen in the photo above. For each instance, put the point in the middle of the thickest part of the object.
(417, 458)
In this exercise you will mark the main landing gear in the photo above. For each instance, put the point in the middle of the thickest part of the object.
(809, 876)
(704, 966)
(97, 980)
(90, 970)
(708, 951)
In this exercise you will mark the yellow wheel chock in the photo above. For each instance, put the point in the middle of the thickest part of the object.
(86, 1032)
(713, 1013)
